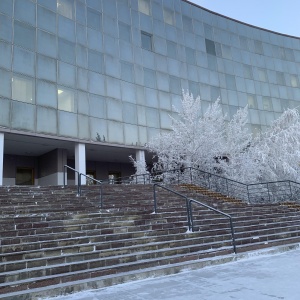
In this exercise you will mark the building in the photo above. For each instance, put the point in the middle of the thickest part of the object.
(88, 82)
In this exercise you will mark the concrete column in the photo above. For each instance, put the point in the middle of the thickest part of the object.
(140, 155)
(80, 164)
(1, 157)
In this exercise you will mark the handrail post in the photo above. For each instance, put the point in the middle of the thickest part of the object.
(190, 215)
(65, 167)
(248, 196)
(191, 175)
(79, 184)
(154, 197)
(268, 192)
(232, 235)
(290, 190)
(227, 187)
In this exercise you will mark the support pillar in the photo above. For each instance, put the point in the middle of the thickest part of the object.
(140, 155)
(80, 163)
(1, 157)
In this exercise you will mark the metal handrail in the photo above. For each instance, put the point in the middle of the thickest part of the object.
(189, 202)
(217, 211)
(95, 180)
(78, 178)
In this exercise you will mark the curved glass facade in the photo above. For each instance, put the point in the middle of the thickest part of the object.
(112, 70)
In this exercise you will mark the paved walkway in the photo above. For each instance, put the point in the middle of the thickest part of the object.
(264, 277)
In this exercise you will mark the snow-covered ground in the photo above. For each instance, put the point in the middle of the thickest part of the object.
(257, 278)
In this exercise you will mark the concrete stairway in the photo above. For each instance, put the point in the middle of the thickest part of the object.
(54, 242)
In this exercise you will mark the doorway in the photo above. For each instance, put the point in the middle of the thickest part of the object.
(24, 176)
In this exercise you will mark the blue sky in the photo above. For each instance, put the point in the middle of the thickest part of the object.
(276, 15)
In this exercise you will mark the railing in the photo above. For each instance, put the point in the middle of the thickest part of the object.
(79, 185)
(189, 209)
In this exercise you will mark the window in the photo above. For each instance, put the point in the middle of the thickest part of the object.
(267, 103)
(244, 42)
(169, 16)
(262, 75)
(208, 31)
(124, 32)
(280, 78)
(149, 78)
(230, 82)
(210, 47)
(95, 61)
(252, 103)
(66, 51)
(127, 71)
(144, 7)
(23, 89)
(93, 19)
(172, 49)
(190, 55)
(66, 99)
(66, 8)
(247, 70)
(258, 47)
(187, 24)
(24, 35)
(294, 81)
(146, 41)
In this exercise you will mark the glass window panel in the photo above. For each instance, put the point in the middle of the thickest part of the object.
(24, 35)
(23, 88)
(82, 103)
(128, 92)
(97, 106)
(146, 40)
(66, 8)
(113, 88)
(81, 34)
(96, 4)
(98, 128)
(115, 132)
(5, 57)
(144, 7)
(289, 54)
(94, 19)
(66, 28)
(112, 66)
(24, 61)
(46, 68)
(80, 13)
(114, 110)
(81, 56)
(280, 78)
(82, 79)
(109, 8)
(247, 71)
(66, 51)
(152, 116)
(46, 120)
(230, 82)
(25, 11)
(258, 47)
(162, 81)
(169, 16)
(5, 28)
(96, 83)
(141, 115)
(171, 49)
(244, 43)
(165, 120)
(129, 113)
(208, 31)
(5, 83)
(94, 39)
(254, 116)
(262, 75)
(95, 61)
(226, 52)
(51, 4)
(215, 93)
(6, 7)
(210, 47)
(66, 74)
(131, 134)
(110, 26)
(127, 71)
(46, 94)
(83, 127)
(187, 24)
(252, 102)
(151, 98)
(23, 116)
(294, 81)
(46, 43)
(164, 100)
(4, 112)
(149, 78)
(190, 55)
(67, 124)
(194, 88)
(276, 105)
(124, 32)
(267, 103)
(66, 99)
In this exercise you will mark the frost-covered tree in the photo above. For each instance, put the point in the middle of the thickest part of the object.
(140, 170)
(194, 140)
(278, 149)
(206, 141)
